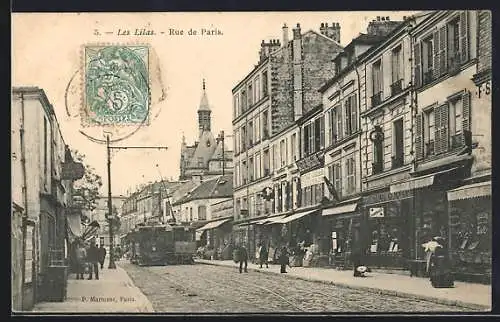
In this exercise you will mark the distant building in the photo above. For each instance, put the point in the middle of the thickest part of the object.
(207, 156)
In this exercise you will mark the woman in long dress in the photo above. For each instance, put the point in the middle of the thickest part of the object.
(438, 263)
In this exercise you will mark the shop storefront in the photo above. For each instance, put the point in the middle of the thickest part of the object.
(341, 225)
(388, 226)
(470, 223)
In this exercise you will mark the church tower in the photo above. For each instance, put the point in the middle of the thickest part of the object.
(204, 112)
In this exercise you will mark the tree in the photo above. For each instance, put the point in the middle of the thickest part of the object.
(87, 188)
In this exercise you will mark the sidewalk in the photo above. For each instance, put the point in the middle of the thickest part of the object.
(468, 295)
(113, 292)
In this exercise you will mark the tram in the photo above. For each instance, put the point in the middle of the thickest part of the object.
(162, 244)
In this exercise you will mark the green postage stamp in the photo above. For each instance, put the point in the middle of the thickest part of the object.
(116, 84)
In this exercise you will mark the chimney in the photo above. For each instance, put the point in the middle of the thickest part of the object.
(296, 32)
(382, 26)
(285, 34)
(322, 29)
(333, 31)
(297, 72)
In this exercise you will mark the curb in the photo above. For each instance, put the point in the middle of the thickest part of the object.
(146, 305)
(374, 290)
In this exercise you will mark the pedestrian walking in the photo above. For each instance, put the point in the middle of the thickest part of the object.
(263, 255)
(284, 259)
(438, 263)
(356, 258)
(81, 256)
(241, 257)
(93, 259)
(102, 255)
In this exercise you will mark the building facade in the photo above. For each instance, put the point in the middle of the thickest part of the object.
(271, 98)
(42, 178)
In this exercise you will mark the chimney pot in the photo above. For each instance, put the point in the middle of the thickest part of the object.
(284, 25)
(322, 25)
(383, 18)
(298, 25)
(378, 18)
(326, 24)
(387, 18)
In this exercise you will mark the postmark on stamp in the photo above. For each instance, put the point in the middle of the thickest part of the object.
(116, 85)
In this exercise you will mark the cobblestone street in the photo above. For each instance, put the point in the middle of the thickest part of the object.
(204, 288)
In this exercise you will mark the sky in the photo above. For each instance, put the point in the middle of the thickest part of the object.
(47, 52)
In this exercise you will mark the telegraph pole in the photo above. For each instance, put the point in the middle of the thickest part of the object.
(111, 218)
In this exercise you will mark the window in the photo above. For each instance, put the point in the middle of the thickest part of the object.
(317, 135)
(243, 101)
(377, 83)
(265, 125)
(351, 115)
(236, 102)
(250, 95)
(190, 213)
(266, 162)
(257, 89)
(311, 138)
(350, 174)
(257, 129)
(378, 155)
(237, 141)
(428, 59)
(257, 166)
(305, 140)
(282, 153)
(398, 143)
(454, 41)
(202, 212)
(396, 64)
(264, 84)
(243, 138)
(251, 168)
(250, 134)
(337, 178)
(274, 157)
(456, 108)
(244, 171)
(200, 162)
(293, 150)
(429, 132)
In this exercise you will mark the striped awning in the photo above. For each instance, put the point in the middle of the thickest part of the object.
(417, 183)
(340, 210)
(213, 224)
(295, 216)
(481, 189)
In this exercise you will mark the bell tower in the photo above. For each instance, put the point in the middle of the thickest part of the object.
(204, 112)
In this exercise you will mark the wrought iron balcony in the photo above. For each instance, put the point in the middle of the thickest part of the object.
(429, 148)
(376, 99)
(397, 87)
(377, 167)
(428, 76)
(454, 63)
(457, 141)
(397, 161)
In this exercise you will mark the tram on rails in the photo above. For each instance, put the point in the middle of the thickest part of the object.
(162, 244)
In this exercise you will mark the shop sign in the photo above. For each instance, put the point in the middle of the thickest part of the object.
(72, 171)
(387, 196)
(377, 212)
(311, 161)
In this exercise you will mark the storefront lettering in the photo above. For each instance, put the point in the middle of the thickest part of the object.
(387, 196)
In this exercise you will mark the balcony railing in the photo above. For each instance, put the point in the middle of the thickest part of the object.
(454, 63)
(429, 148)
(377, 167)
(457, 141)
(376, 99)
(397, 161)
(428, 76)
(397, 87)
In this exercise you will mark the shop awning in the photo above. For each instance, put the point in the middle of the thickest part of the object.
(74, 225)
(417, 183)
(340, 209)
(295, 216)
(274, 220)
(482, 189)
(213, 224)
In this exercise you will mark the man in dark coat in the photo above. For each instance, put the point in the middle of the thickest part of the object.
(284, 260)
(357, 258)
(93, 259)
(243, 258)
(263, 255)
(102, 255)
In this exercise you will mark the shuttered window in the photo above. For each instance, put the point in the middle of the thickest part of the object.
(442, 129)
(419, 137)
(322, 132)
(417, 66)
(350, 174)
(337, 177)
